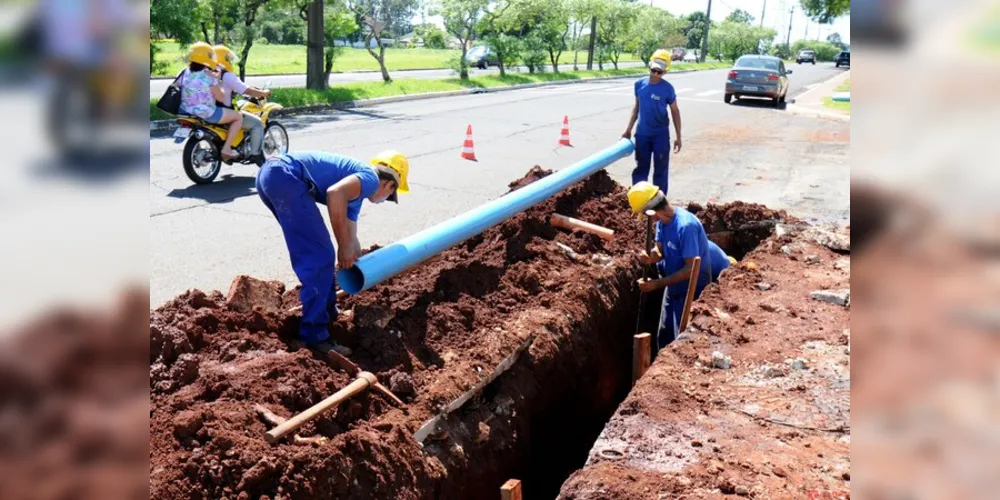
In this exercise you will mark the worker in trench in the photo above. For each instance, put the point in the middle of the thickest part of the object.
(679, 238)
(291, 185)
(654, 98)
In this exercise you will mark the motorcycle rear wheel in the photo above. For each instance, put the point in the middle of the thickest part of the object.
(202, 160)
(275, 140)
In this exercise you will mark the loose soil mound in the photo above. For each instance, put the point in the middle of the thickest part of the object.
(431, 333)
(768, 426)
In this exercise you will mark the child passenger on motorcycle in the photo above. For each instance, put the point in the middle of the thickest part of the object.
(200, 89)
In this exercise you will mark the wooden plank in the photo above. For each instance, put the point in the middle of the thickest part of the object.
(641, 352)
(511, 490)
(431, 425)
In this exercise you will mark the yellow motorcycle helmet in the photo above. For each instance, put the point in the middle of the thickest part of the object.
(643, 196)
(202, 53)
(226, 57)
(660, 55)
(398, 163)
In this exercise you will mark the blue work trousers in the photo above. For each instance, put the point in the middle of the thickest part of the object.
(657, 149)
(283, 188)
(673, 309)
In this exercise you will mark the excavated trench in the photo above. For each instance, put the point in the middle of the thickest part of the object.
(429, 334)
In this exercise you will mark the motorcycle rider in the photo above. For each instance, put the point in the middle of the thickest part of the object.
(200, 90)
(231, 83)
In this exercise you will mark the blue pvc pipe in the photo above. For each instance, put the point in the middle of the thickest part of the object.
(389, 261)
(842, 96)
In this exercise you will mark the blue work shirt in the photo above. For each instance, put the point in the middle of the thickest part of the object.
(683, 238)
(322, 170)
(654, 107)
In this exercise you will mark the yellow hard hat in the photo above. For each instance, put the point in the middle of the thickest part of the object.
(398, 163)
(661, 59)
(225, 57)
(642, 196)
(732, 260)
(202, 53)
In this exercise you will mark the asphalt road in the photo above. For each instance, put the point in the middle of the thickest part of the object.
(159, 85)
(202, 236)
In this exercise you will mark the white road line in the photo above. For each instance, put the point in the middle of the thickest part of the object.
(681, 91)
(708, 93)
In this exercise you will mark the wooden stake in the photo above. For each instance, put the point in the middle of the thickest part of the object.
(641, 352)
(364, 381)
(692, 286)
(571, 224)
(511, 490)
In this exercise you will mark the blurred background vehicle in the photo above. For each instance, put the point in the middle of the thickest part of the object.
(482, 57)
(806, 56)
(843, 58)
(758, 76)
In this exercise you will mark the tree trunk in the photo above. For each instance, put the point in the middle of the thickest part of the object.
(328, 67)
(215, 39)
(314, 47)
(381, 62)
(593, 39)
(204, 31)
(244, 54)
(555, 61)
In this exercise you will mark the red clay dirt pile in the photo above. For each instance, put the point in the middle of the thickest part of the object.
(429, 334)
(754, 399)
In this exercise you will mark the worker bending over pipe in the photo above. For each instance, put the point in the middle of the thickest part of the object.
(680, 238)
(291, 185)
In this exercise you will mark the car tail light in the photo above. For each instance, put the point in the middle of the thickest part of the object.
(732, 75)
(772, 77)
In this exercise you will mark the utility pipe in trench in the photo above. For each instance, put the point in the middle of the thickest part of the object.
(389, 261)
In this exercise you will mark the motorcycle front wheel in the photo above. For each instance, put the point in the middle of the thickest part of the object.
(275, 140)
(202, 160)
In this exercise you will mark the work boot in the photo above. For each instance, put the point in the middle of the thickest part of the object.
(329, 345)
(258, 159)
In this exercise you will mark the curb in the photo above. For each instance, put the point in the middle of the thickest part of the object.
(816, 113)
(828, 80)
(163, 125)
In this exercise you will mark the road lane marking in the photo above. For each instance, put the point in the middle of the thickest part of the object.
(681, 91)
(708, 93)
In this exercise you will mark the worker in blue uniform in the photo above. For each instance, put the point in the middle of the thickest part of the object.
(680, 238)
(291, 185)
(653, 97)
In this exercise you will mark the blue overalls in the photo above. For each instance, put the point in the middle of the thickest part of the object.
(290, 186)
(683, 238)
(652, 135)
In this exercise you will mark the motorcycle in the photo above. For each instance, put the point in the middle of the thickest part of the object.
(203, 151)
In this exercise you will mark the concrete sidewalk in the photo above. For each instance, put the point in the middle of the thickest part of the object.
(811, 102)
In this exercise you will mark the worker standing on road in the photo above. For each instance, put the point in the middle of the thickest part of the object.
(232, 84)
(291, 185)
(680, 238)
(653, 95)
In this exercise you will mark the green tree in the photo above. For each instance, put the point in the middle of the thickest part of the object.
(825, 11)
(170, 19)
(533, 52)
(461, 19)
(432, 36)
(502, 30)
(552, 28)
(377, 21)
(731, 40)
(248, 30)
(337, 23)
(655, 29)
(615, 29)
(834, 38)
(739, 16)
(695, 29)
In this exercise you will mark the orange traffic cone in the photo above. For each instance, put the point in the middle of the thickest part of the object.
(564, 135)
(468, 149)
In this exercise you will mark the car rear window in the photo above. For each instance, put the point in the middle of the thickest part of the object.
(758, 63)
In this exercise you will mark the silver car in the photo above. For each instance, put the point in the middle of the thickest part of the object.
(758, 76)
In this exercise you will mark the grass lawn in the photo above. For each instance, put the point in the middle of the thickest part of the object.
(839, 106)
(291, 59)
(290, 97)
